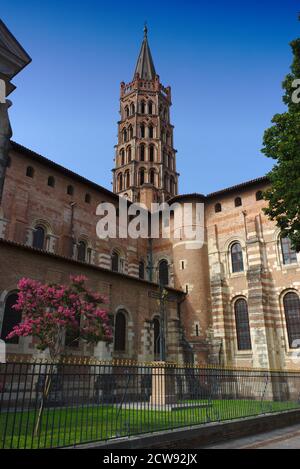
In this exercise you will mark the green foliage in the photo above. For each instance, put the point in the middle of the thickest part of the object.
(282, 143)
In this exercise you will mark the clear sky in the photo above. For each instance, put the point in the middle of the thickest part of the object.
(225, 61)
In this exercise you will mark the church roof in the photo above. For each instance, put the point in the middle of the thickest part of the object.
(145, 66)
(42, 159)
(13, 58)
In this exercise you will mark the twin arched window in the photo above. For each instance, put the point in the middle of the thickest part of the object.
(242, 324)
(291, 304)
(237, 263)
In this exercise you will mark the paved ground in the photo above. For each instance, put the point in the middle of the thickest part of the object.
(284, 438)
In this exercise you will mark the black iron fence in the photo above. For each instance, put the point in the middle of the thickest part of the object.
(44, 405)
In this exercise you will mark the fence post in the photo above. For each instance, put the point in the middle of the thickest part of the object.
(163, 385)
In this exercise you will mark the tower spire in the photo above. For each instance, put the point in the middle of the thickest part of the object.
(145, 160)
(145, 66)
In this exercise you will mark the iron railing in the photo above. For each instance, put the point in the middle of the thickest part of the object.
(44, 405)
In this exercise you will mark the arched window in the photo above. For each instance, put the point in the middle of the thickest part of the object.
(142, 130)
(143, 107)
(51, 181)
(81, 251)
(237, 258)
(218, 208)
(259, 195)
(291, 305)
(129, 153)
(152, 177)
(30, 172)
(39, 237)
(156, 337)
(120, 332)
(151, 153)
(163, 273)
(124, 132)
(126, 179)
(120, 179)
(237, 202)
(122, 155)
(150, 107)
(142, 177)
(141, 270)
(115, 261)
(289, 255)
(70, 190)
(166, 182)
(11, 319)
(130, 132)
(163, 135)
(126, 111)
(172, 185)
(87, 198)
(132, 108)
(150, 131)
(242, 325)
(168, 138)
(142, 152)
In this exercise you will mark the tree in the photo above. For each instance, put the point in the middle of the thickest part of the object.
(52, 311)
(282, 143)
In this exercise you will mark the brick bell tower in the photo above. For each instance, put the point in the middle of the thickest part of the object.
(145, 160)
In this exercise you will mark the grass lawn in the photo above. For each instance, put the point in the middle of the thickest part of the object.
(72, 425)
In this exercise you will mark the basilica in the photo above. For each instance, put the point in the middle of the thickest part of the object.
(234, 301)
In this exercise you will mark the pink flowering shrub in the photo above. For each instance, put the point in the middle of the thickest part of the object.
(51, 311)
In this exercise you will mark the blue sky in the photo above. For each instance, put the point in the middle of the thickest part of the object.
(225, 62)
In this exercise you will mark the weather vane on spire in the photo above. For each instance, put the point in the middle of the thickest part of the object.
(145, 29)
